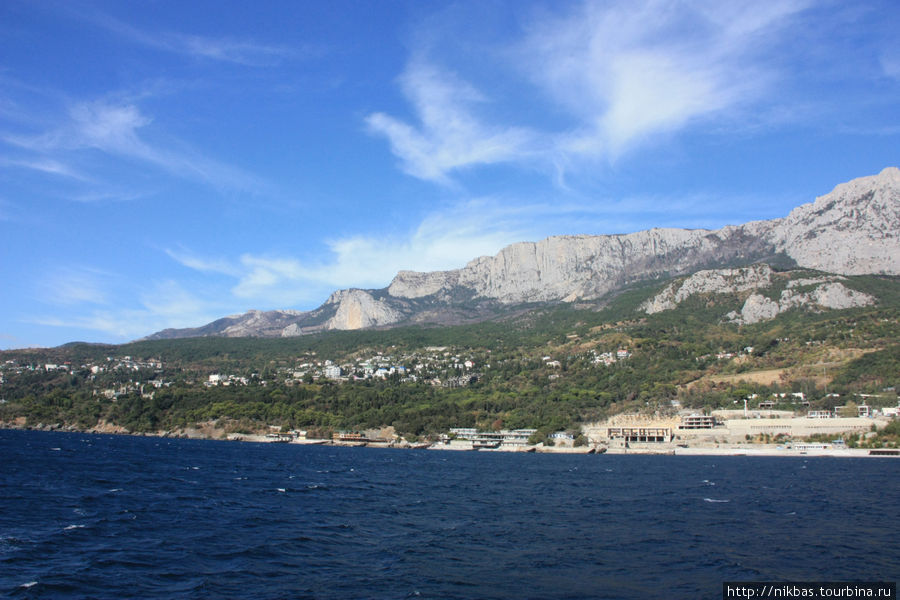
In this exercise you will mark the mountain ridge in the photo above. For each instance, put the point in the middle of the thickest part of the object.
(852, 230)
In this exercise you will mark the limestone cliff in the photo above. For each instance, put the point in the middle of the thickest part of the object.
(831, 296)
(357, 309)
(583, 267)
(852, 230)
(826, 293)
(723, 281)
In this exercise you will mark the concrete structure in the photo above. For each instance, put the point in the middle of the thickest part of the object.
(698, 422)
(799, 426)
(493, 439)
(348, 437)
(641, 435)
(819, 414)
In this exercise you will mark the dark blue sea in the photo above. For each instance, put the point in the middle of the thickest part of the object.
(87, 516)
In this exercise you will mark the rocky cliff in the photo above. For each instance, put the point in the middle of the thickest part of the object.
(723, 281)
(819, 293)
(852, 230)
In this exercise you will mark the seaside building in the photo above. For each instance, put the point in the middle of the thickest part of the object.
(819, 414)
(642, 435)
(493, 439)
(698, 422)
(798, 426)
(348, 437)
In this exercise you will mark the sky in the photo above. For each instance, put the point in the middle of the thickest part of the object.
(167, 163)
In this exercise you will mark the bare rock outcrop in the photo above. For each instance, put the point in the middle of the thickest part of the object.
(828, 293)
(853, 230)
(358, 309)
(721, 281)
(831, 295)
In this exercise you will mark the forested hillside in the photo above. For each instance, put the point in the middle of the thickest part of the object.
(549, 368)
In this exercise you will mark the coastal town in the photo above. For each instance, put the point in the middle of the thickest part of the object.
(438, 366)
(778, 423)
(725, 432)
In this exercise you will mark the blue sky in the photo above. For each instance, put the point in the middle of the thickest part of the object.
(163, 164)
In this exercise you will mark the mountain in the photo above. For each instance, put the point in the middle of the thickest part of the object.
(853, 230)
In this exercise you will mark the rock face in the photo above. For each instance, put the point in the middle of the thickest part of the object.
(826, 293)
(833, 296)
(723, 281)
(851, 231)
(357, 309)
(253, 323)
(582, 267)
(854, 230)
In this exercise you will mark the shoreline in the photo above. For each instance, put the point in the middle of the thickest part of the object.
(751, 450)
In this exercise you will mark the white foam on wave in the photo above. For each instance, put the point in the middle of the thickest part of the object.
(29, 584)
(71, 527)
(713, 500)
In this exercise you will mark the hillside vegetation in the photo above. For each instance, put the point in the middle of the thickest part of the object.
(545, 367)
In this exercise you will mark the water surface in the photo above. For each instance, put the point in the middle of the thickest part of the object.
(85, 516)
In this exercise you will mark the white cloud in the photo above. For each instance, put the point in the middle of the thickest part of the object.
(450, 135)
(441, 241)
(229, 50)
(166, 304)
(192, 261)
(115, 128)
(890, 65)
(46, 165)
(631, 70)
(66, 286)
(624, 72)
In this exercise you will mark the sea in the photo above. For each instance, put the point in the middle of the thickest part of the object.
(99, 516)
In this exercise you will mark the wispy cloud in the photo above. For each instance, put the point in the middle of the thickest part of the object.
(225, 49)
(624, 72)
(440, 241)
(449, 136)
(629, 71)
(890, 65)
(165, 304)
(190, 260)
(71, 285)
(46, 165)
(117, 130)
